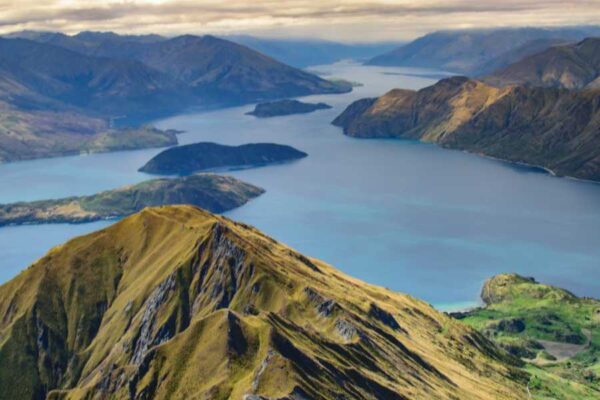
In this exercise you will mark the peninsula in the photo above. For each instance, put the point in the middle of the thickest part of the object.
(212, 192)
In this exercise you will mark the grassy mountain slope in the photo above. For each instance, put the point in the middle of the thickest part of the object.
(99, 85)
(174, 302)
(31, 134)
(220, 71)
(516, 54)
(213, 192)
(554, 330)
(553, 128)
(58, 107)
(471, 51)
(574, 66)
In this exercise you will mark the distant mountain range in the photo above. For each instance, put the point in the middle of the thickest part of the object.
(304, 53)
(479, 52)
(299, 53)
(93, 79)
(139, 75)
(553, 128)
(572, 66)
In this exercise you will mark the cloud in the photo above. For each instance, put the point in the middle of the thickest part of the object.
(349, 20)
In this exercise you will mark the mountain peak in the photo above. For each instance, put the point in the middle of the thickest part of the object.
(174, 300)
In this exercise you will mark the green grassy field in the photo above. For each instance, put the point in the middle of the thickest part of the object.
(555, 332)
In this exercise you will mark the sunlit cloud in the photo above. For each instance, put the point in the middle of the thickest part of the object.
(348, 20)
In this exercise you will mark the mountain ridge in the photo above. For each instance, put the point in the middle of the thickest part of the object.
(571, 66)
(473, 51)
(556, 129)
(176, 287)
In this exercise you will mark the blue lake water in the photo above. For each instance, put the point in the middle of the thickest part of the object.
(412, 217)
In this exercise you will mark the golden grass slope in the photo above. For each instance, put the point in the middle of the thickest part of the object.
(177, 303)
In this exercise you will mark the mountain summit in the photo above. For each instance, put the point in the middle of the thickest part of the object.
(174, 303)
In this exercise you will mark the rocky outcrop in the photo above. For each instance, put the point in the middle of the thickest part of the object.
(511, 325)
(383, 316)
(148, 335)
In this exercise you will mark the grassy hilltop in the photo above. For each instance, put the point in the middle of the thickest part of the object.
(554, 331)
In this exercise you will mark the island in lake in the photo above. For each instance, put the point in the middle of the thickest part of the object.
(285, 107)
(187, 159)
(212, 192)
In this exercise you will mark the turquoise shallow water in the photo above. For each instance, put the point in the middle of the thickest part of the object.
(412, 217)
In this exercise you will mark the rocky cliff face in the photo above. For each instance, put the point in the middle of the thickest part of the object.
(553, 128)
(175, 302)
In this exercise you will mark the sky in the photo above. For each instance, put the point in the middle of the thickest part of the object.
(347, 20)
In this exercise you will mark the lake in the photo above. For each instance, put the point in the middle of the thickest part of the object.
(412, 217)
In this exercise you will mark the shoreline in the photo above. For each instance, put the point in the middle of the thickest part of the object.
(457, 307)
(528, 165)
(480, 154)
